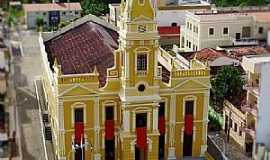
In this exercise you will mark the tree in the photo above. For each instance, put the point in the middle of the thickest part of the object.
(226, 85)
(13, 16)
(39, 22)
(95, 7)
(215, 120)
(62, 24)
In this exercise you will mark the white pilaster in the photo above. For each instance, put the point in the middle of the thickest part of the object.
(171, 154)
(127, 64)
(172, 119)
(96, 123)
(203, 150)
(155, 118)
(126, 120)
(97, 156)
(60, 125)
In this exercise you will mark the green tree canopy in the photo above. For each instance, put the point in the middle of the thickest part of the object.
(39, 21)
(95, 7)
(13, 16)
(228, 3)
(227, 84)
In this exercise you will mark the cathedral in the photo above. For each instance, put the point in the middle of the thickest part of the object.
(116, 94)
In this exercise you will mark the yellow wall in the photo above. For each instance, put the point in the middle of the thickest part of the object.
(121, 92)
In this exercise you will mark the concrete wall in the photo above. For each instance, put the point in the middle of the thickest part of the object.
(234, 24)
(64, 16)
(238, 118)
(167, 17)
(263, 122)
(268, 37)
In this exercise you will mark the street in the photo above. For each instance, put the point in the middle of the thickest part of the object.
(27, 66)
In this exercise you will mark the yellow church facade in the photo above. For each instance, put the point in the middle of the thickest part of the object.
(153, 105)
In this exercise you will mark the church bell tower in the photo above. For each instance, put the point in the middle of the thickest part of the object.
(140, 78)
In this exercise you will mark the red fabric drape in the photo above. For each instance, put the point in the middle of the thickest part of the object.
(109, 129)
(161, 124)
(189, 124)
(79, 131)
(141, 133)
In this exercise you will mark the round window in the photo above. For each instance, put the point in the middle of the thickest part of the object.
(141, 88)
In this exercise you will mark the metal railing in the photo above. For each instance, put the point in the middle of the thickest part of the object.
(141, 73)
(245, 41)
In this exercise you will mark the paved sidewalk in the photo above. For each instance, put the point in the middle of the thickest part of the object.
(233, 150)
(26, 67)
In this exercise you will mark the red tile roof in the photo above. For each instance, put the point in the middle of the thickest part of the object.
(169, 30)
(207, 54)
(236, 52)
(82, 48)
(239, 52)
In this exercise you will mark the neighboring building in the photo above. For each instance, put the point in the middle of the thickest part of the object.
(114, 13)
(171, 14)
(52, 13)
(257, 68)
(236, 115)
(170, 17)
(224, 27)
(169, 35)
(215, 59)
(116, 99)
(3, 74)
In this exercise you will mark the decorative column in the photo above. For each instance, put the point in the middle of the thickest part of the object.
(205, 123)
(97, 155)
(126, 120)
(60, 129)
(155, 119)
(171, 152)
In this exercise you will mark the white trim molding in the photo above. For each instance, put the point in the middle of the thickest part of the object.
(107, 104)
(190, 98)
(75, 106)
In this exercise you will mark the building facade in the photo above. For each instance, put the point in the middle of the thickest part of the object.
(234, 125)
(150, 106)
(169, 16)
(52, 13)
(257, 87)
(223, 28)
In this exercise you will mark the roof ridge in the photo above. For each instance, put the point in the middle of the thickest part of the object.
(50, 35)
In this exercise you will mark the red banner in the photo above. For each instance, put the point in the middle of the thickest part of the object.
(189, 124)
(79, 131)
(109, 129)
(141, 133)
(161, 124)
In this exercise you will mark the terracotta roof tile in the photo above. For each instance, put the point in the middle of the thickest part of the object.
(239, 52)
(207, 54)
(79, 50)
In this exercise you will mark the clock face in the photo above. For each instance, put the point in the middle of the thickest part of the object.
(142, 28)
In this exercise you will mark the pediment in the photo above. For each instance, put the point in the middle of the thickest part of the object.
(142, 18)
(191, 85)
(78, 90)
